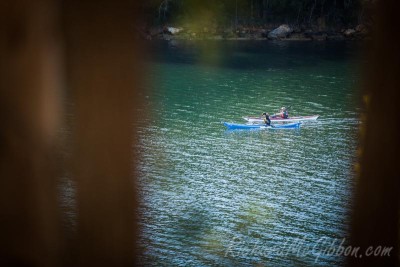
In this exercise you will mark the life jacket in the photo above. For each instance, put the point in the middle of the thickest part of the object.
(267, 120)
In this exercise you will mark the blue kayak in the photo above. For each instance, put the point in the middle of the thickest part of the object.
(234, 126)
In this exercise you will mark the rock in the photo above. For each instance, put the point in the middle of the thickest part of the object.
(297, 30)
(335, 37)
(155, 31)
(349, 32)
(281, 32)
(316, 36)
(360, 28)
(308, 33)
(298, 37)
(228, 33)
(217, 37)
(319, 36)
(173, 30)
(242, 34)
(261, 33)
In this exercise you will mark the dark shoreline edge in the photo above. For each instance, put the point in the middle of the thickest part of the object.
(360, 32)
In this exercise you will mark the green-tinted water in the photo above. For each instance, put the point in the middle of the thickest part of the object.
(219, 198)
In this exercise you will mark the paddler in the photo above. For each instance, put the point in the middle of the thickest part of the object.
(284, 113)
(267, 119)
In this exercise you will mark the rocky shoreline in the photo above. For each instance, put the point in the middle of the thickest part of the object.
(283, 32)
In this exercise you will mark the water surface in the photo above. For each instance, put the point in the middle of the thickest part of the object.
(213, 197)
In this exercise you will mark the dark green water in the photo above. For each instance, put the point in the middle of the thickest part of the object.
(220, 198)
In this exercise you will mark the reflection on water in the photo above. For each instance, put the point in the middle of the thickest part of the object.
(240, 198)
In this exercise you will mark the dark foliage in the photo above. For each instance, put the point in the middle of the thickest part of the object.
(259, 12)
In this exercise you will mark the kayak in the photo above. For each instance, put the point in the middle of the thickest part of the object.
(279, 119)
(234, 126)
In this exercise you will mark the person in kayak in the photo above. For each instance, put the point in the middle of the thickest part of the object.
(284, 113)
(267, 119)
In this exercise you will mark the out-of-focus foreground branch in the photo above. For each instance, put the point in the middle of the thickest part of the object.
(88, 48)
(29, 120)
(375, 217)
(102, 67)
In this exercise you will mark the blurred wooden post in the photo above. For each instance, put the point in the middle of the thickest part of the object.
(102, 67)
(375, 219)
(29, 121)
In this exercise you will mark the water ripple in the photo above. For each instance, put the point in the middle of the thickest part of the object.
(205, 188)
